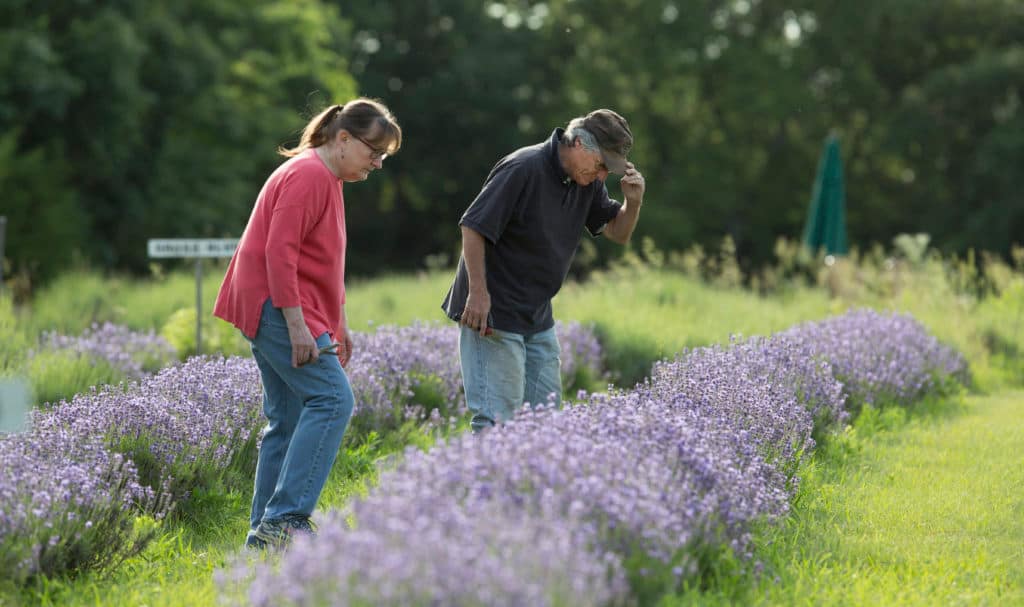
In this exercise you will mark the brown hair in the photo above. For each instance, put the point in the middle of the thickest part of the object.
(357, 117)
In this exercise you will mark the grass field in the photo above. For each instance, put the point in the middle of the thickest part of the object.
(921, 511)
(918, 510)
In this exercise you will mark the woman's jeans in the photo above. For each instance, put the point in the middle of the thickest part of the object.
(503, 370)
(307, 410)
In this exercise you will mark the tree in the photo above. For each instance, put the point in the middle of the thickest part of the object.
(158, 119)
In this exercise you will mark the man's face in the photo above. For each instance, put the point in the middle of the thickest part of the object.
(587, 166)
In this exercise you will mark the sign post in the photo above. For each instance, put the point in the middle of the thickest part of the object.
(198, 248)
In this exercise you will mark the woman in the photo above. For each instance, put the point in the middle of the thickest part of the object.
(285, 291)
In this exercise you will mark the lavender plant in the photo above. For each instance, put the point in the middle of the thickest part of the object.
(408, 373)
(402, 373)
(773, 389)
(440, 551)
(619, 478)
(652, 479)
(133, 353)
(86, 467)
(183, 427)
(67, 502)
(881, 358)
(582, 359)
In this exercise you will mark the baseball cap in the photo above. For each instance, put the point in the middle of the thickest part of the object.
(613, 136)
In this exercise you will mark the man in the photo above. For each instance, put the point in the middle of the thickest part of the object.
(518, 239)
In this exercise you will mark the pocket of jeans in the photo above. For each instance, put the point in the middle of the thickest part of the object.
(270, 316)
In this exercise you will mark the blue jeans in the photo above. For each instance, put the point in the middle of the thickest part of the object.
(503, 370)
(307, 410)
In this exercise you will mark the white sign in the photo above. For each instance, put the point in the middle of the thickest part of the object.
(14, 404)
(192, 247)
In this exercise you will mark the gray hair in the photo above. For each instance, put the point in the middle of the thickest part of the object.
(576, 131)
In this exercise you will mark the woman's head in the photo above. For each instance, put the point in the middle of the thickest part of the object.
(355, 137)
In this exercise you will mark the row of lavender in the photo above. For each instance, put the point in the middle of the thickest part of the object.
(617, 498)
(133, 354)
(75, 481)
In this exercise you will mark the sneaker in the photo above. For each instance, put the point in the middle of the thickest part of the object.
(252, 542)
(279, 533)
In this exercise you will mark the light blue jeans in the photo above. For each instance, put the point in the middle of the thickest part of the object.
(503, 370)
(307, 410)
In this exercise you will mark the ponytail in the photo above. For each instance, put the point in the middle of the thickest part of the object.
(357, 117)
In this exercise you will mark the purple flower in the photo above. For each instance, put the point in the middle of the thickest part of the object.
(132, 353)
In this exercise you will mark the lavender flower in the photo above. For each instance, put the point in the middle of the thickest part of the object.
(580, 352)
(398, 372)
(881, 357)
(681, 466)
(132, 353)
(773, 389)
(459, 554)
(65, 502)
(403, 373)
(180, 426)
(616, 476)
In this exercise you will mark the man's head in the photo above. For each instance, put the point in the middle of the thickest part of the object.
(597, 145)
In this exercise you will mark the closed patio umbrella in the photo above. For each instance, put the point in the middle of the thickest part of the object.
(826, 216)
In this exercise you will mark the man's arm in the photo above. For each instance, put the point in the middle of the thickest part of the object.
(620, 228)
(478, 303)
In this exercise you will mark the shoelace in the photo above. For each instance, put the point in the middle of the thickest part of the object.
(302, 523)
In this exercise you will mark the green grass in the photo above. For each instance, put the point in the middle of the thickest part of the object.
(644, 314)
(926, 511)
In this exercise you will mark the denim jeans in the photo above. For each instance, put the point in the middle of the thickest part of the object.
(503, 370)
(307, 410)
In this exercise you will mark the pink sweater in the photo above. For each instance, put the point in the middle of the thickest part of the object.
(292, 250)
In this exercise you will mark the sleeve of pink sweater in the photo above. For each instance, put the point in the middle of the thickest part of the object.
(299, 203)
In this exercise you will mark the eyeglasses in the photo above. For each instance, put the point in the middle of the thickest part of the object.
(375, 154)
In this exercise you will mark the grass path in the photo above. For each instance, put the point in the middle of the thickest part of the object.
(929, 513)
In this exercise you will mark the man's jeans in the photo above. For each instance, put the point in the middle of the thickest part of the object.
(307, 410)
(503, 370)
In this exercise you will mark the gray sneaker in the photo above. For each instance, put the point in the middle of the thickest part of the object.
(279, 533)
(254, 543)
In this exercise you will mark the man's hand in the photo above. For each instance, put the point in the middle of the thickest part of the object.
(632, 184)
(478, 307)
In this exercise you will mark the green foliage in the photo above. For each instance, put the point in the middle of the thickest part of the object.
(643, 313)
(14, 340)
(45, 223)
(126, 121)
(59, 375)
(217, 335)
(190, 474)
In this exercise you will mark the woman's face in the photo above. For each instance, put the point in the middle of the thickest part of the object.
(358, 156)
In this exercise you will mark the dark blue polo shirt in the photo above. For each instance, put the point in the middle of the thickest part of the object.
(531, 215)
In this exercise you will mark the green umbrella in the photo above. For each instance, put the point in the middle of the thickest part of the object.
(826, 217)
